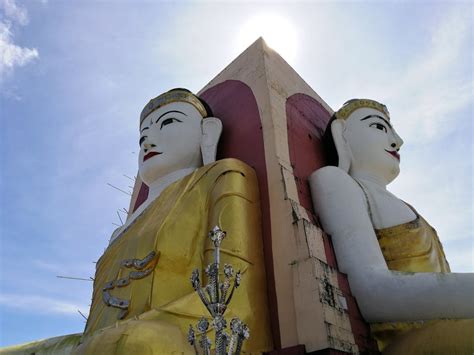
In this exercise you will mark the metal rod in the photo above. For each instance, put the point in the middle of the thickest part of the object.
(216, 285)
(74, 278)
(116, 188)
(118, 214)
(128, 177)
(82, 315)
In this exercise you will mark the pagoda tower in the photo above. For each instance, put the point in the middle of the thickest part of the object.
(274, 121)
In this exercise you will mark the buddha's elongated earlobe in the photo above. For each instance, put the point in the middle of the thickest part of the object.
(343, 150)
(211, 132)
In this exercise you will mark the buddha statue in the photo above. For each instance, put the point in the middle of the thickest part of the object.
(393, 258)
(143, 301)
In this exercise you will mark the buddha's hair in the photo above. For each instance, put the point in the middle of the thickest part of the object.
(204, 103)
(176, 95)
(330, 150)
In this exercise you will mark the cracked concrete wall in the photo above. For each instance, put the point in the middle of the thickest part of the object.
(319, 302)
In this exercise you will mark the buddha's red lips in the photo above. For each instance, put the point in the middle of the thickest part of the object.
(394, 153)
(149, 155)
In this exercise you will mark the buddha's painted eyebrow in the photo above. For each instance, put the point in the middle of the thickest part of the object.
(160, 118)
(377, 116)
(170, 112)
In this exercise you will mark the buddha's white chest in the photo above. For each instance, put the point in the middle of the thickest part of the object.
(387, 210)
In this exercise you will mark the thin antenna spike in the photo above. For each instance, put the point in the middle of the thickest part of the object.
(73, 278)
(123, 210)
(116, 188)
(128, 177)
(83, 316)
(118, 214)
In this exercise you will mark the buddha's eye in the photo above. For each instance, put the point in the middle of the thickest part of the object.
(379, 126)
(168, 121)
(142, 139)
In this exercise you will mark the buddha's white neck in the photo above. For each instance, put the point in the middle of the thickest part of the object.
(155, 189)
(369, 178)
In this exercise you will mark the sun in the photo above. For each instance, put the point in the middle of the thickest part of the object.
(277, 31)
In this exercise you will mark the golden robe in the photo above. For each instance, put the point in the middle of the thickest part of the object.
(163, 304)
(415, 247)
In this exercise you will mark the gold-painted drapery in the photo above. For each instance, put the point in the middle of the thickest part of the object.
(163, 304)
(415, 247)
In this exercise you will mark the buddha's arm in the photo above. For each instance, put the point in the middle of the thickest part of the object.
(235, 207)
(382, 295)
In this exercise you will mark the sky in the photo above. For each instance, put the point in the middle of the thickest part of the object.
(74, 77)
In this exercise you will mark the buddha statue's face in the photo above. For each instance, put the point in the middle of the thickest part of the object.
(373, 143)
(170, 139)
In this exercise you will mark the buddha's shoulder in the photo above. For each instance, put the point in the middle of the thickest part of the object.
(333, 178)
(329, 173)
(227, 176)
(228, 165)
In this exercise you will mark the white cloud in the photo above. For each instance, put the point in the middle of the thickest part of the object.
(14, 12)
(39, 304)
(435, 86)
(11, 54)
(425, 103)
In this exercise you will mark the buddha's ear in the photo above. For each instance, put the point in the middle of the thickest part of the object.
(343, 150)
(211, 132)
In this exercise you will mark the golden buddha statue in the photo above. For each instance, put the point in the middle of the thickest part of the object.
(394, 260)
(143, 301)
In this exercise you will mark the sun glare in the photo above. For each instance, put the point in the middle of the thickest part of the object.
(277, 31)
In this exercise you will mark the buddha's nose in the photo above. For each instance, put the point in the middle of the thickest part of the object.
(148, 146)
(397, 141)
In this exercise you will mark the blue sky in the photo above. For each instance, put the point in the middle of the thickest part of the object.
(74, 77)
